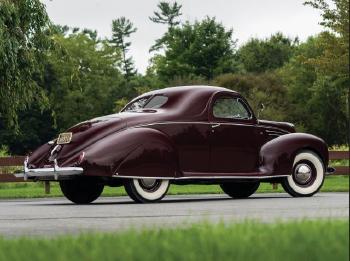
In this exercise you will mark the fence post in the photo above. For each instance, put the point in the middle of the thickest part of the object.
(47, 187)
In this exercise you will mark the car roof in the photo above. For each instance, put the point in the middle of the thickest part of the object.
(199, 89)
(186, 102)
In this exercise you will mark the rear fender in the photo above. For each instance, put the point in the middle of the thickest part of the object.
(277, 156)
(143, 152)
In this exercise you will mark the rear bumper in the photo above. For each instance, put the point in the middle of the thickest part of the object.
(48, 173)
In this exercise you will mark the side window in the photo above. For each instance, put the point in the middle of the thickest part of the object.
(230, 108)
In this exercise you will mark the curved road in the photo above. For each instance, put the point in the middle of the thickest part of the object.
(58, 216)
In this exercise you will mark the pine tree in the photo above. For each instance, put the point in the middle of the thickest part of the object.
(122, 28)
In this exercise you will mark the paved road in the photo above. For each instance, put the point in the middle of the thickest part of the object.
(51, 217)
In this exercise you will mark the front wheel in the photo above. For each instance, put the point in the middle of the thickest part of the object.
(81, 191)
(240, 189)
(146, 190)
(307, 176)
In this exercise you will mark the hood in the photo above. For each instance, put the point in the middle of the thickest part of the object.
(283, 126)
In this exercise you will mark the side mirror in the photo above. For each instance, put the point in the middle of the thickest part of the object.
(260, 109)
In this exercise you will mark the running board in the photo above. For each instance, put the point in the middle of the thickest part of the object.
(202, 177)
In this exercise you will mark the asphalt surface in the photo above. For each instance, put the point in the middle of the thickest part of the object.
(50, 217)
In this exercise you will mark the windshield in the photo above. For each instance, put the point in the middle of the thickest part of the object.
(154, 102)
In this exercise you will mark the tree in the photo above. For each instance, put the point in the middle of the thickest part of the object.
(202, 49)
(122, 28)
(23, 43)
(268, 54)
(335, 58)
(83, 79)
(318, 100)
(167, 14)
(325, 60)
(336, 19)
(266, 88)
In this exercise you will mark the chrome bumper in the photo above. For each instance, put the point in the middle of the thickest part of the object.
(55, 172)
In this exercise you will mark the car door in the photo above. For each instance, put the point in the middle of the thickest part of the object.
(233, 139)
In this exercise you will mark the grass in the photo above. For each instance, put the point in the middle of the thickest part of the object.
(36, 190)
(297, 240)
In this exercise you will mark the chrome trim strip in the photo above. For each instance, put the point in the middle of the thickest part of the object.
(201, 177)
(275, 132)
(266, 128)
(190, 122)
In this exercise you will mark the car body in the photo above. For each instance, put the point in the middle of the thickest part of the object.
(182, 135)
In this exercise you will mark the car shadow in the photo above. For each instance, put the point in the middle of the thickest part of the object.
(165, 201)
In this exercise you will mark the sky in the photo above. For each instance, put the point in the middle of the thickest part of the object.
(247, 18)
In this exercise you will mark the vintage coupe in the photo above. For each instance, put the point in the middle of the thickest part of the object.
(180, 135)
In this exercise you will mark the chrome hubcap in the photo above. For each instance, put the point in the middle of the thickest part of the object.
(148, 183)
(302, 173)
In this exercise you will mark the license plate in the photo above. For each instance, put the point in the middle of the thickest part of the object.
(64, 138)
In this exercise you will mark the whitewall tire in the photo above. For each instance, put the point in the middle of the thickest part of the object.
(307, 176)
(146, 190)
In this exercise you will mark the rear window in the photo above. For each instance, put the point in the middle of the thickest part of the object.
(155, 102)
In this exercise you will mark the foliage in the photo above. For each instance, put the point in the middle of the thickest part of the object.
(266, 88)
(4, 151)
(203, 49)
(23, 43)
(167, 14)
(82, 79)
(268, 54)
(337, 18)
(250, 240)
(120, 104)
(35, 127)
(319, 98)
(122, 28)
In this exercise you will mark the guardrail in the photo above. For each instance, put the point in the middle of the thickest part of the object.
(15, 161)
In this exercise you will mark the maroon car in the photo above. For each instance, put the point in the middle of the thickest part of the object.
(180, 135)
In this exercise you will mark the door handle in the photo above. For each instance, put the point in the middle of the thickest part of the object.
(215, 125)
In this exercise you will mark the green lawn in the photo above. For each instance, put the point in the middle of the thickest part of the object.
(35, 190)
(302, 240)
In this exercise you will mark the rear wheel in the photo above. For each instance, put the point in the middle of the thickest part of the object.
(81, 191)
(240, 189)
(146, 190)
(307, 177)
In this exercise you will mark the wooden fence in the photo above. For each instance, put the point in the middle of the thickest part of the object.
(8, 162)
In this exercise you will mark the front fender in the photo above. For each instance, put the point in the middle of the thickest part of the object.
(132, 152)
(277, 156)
